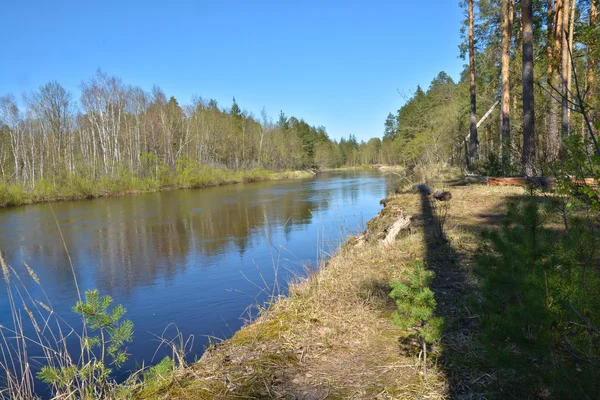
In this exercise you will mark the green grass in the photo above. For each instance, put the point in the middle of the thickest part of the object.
(76, 187)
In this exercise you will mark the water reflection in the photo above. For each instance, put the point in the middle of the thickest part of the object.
(183, 256)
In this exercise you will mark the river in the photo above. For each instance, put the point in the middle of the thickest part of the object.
(197, 259)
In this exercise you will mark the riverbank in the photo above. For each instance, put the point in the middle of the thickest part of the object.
(354, 168)
(334, 336)
(368, 167)
(79, 188)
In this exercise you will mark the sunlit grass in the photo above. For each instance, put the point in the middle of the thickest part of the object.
(77, 187)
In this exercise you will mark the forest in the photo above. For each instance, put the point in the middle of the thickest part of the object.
(526, 105)
(529, 84)
(118, 137)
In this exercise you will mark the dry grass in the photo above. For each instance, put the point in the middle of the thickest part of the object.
(292, 175)
(391, 168)
(333, 336)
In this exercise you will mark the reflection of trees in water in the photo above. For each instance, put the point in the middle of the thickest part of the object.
(143, 237)
(350, 193)
(129, 242)
(146, 248)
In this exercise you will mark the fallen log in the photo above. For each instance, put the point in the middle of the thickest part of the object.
(521, 181)
(536, 181)
(501, 181)
(403, 222)
(586, 182)
(473, 178)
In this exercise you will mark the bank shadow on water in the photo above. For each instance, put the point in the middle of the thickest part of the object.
(194, 258)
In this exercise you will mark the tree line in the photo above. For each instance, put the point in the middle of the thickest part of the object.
(530, 83)
(115, 130)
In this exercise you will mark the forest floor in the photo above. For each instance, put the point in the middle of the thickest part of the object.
(333, 336)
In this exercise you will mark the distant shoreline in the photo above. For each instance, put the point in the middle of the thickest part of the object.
(14, 195)
(77, 188)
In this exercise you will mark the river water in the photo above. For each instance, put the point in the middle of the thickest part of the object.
(197, 259)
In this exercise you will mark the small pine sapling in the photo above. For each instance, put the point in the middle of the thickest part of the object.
(92, 375)
(416, 307)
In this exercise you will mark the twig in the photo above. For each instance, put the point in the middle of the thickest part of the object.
(588, 323)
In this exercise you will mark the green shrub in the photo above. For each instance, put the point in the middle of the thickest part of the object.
(12, 195)
(44, 190)
(79, 187)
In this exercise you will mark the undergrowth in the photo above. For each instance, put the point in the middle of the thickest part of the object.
(540, 304)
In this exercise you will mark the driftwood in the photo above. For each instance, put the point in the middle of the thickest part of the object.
(403, 222)
(473, 178)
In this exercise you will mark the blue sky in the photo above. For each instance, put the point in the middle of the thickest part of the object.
(334, 63)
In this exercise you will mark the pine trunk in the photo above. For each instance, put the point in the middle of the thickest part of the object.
(553, 136)
(473, 141)
(565, 70)
(570, 59)
(591, 66)
(528, 157)
(507, 19)
(550, 39)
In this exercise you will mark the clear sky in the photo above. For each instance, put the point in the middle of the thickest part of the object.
(334, 63)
